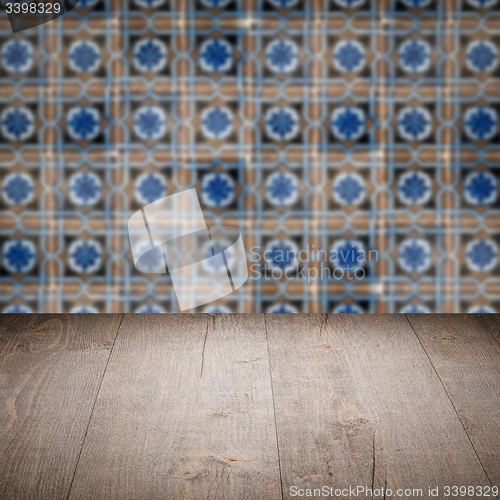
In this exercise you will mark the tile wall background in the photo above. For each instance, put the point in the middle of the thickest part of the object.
(362, 125)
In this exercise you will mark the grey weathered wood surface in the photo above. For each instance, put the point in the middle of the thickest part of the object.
(466, 357)
(367, 407)
(185, 411)
(51, 367)
(245, 406)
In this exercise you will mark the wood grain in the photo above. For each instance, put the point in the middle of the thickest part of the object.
(358, 403)
(185, 412)
(51, 367)
(467, 360)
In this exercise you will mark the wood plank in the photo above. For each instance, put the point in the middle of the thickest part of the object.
(467, 360)
(185, 411)
(51, 367)
(492, 324)
(358, 403)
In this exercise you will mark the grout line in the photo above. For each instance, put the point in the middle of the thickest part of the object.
(93, 406)
(451, 401)
(274, 406)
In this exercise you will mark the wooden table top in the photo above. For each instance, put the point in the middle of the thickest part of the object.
(196, 406)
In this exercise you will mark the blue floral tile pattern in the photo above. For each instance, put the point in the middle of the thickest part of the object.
(415, 188)
(481, 188)
(481, 56)
(150, 55)
(18, 56)
(217, 122)
(414, 124)
(150, 187)
(216, 56)
(150, 123)
(18, 189)
(282, 189)
(217, 189)
(415, 255)
(349, 56)
(282, 56)
(415, 56)
(481, 123)
(84, 56)
(84, 256)
(83, 123)
(17, 123)
(348, 123)
(282, 123)
(85, 189)
(481, 255)
(349, 189)
(19, 256)
(355, 138)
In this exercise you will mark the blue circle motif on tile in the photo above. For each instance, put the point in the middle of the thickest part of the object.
(416, 4)
(18, 309)
(149, 55)
(18, 256)
(17, 123)
(283, 4)
(481, 188)
(349, 189)
(414, 123)
(281, 255)
(18, 189)
(83, 123)
(481, 123)
(481, 255)
(217, 189)
(84, 56)
(348, 254)
(282, 123)
(84, 256)
(414, 188)
(150, 123)
(149, 4)
(149, 187)
(349, 56)
(18, 56)
(415, 255)
(216, 56)
(282, 56)
(216, 4)
(217, 122)
(481, 56)
(84, 189)
(415, 56)
(349, 4)
(348, 123)
(482, 4)
(282, 308)
(350, 308)
(282, 189)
